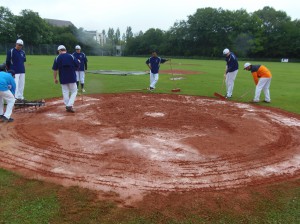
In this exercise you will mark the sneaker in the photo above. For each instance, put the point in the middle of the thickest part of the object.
(265, 101)
(70, 109)
(151, 89)
(5, 119)
(83, 90)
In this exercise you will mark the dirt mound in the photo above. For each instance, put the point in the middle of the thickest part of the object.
(134, 144)
(180, 72)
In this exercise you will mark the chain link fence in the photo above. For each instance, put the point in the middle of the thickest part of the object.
(49, 49)
(41, 49)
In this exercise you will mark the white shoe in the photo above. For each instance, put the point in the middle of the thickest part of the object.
(83, 90)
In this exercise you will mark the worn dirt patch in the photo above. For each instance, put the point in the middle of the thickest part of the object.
(128, 146)
(180, 72)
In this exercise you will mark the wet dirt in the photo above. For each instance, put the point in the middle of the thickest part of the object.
(132, 145)
(180, 72)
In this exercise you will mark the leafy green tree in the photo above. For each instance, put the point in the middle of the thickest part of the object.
(129, 33)
(264, 33)
(110, 35)
(133, 45)
(293, 39)
(245, 33)
(117, 37)
(178, 39)
(65, 36)
(7, 25)
(110, 40)
(32, 28)
(152, 39)
(124, 38)
(274, 27)
(209, 31)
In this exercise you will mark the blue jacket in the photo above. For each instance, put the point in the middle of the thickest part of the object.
(15, 60)
(7, 82)
(155, 63)
(83, 60)
(66, 65)
(232, 63)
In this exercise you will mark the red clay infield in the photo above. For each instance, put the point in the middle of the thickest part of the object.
(180, 72)
(137, 143)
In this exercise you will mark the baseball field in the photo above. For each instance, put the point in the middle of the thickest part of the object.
(132, 156)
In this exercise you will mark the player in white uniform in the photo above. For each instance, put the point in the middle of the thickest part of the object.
(15, 59)
(153, 64)
(80, 71)
(231, 71)
(7, 91)
(65, 64)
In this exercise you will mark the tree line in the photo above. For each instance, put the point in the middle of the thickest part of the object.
(265, 33)
(37, 32)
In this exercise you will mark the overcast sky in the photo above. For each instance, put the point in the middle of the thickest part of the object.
(139, 14)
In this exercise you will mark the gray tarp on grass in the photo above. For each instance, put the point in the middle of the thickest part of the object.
(117, 72)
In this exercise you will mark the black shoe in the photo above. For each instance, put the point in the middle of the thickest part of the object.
(5, 119)
(1, 116)
(70, 109)
(151, 89)
(267, 101)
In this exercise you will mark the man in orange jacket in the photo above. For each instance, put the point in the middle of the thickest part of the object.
(262, 78)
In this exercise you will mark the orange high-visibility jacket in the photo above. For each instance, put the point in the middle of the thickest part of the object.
(260, 71)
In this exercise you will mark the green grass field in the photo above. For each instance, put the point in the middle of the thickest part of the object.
(30, 201)
(284, 86)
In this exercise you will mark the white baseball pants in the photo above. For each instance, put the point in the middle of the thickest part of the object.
(80, 75)
(69, 99)
(153, 79)
(263, 84)
(10, 101)
(230, 77)
(20, 84)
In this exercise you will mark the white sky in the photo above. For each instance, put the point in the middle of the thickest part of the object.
(139, 14)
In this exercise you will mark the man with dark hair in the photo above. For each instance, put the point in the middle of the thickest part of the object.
(7, 91)
(153, 64)
(65, 64)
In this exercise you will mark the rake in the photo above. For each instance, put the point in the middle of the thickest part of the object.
(174, 89)
(28, 105)
(245, 93)
(218, 94)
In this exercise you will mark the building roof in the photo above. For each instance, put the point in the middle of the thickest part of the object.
(59, 23)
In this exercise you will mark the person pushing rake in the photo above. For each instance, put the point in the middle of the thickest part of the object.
(230, 74)
(231, 71)
(262, 78)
